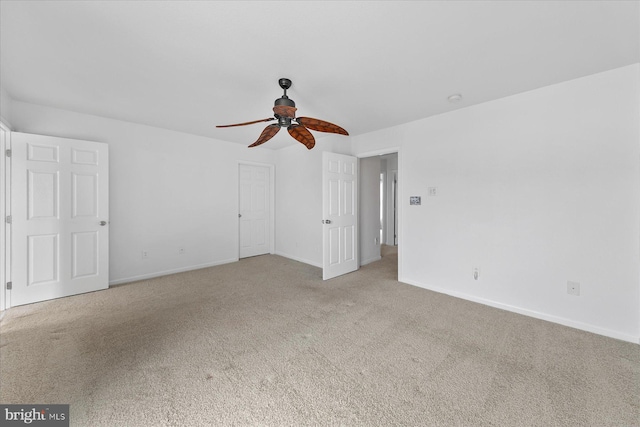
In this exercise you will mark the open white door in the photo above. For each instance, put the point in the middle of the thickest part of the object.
(59, 212)
(255, 210)
(395, 207)
(339, 210)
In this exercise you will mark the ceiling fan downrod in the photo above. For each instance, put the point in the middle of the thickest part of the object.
(284, 108)
(284, 84)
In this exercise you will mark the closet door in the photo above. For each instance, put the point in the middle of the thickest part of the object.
(255, 210)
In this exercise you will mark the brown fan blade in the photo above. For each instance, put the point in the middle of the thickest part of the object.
(266, 134)
(246, 123)
(321, 125)
(301, 134)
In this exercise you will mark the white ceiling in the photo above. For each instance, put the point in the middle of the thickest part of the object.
(188, 66)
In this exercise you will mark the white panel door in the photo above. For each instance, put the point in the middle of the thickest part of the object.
(255, 210)
(339, 213)
(59, 210)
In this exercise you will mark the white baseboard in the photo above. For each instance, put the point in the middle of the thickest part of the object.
(167, 272)
(370, 260)
(295, 258)
(531, 313)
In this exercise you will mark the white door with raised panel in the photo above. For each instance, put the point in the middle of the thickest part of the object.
(60, 216)
(339, 214)
(255, 210)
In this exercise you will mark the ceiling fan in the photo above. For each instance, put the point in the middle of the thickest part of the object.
(284, 110)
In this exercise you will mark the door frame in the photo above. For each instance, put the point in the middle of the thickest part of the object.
(383, 210)
(5, 209)
(394, 204)
(272, 203)
(399, 209)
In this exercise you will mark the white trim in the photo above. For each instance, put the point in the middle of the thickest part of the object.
(357, 242)
(384, 201)
(381, 152)
(302, 260)
(400, 212)
(169, 272)
(5, 208)
(395, 203)
(5, 190)
(272, 201)
(531, 313)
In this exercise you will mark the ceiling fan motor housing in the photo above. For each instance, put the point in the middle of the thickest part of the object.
(284, 100)
(284, 110)
(284, 122)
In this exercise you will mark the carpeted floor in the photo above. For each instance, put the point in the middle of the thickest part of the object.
(266, 342)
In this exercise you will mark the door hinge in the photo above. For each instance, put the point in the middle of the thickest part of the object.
(9, 286)
(7, 153)
(8, 219)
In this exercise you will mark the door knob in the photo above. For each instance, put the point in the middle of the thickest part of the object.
(103, 223)
(326, 221)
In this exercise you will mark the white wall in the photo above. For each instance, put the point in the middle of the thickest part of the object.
(299, 198)
(369, 214)
(536, 189)
(167, 190)
(5, 107)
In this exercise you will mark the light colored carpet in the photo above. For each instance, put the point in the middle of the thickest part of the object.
(266, 342)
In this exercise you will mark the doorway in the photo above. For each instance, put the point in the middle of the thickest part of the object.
(379, 207)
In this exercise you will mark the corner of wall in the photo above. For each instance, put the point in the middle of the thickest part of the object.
(5, 107)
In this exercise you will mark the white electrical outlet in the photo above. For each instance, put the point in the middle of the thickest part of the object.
(476, 273)
(145, 254)
(181, 250)
(573, 288)
(433, 191)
